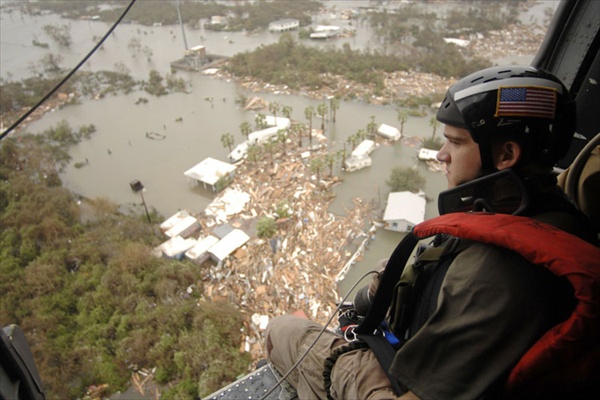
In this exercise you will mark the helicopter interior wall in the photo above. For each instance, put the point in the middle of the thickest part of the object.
(570, 51)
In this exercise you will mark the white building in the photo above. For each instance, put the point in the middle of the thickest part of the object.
(389, 132)
(209, 171)
(404, 210)
(283, 25)
(230, 243)
(427, 155)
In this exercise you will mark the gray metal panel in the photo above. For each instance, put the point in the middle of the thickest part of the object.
(255, 385)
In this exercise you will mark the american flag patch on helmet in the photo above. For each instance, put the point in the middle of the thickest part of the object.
(526, 101)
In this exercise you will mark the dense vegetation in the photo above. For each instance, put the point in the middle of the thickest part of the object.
(79, 278)
(298, 66)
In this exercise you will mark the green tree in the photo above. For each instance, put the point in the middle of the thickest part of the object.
(322, 112)
(227, 141)
(402, 118)
(334, 105)
(260, 121)
(405, 179)
(282, 138)
(372, 127)
(274, 108)
(245, 129)
(309, 112)
(287, 111)
(316, 166)
(433, 123)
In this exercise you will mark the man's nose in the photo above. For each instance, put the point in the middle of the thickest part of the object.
(442, 154)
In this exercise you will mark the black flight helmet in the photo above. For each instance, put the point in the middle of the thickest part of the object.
(521, 103)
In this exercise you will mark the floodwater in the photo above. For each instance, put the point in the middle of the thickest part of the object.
(192, 124)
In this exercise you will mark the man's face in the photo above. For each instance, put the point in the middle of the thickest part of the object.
(461, 155)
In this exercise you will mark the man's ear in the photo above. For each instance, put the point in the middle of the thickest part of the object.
(507, 154)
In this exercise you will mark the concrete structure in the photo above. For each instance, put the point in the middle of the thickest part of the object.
(283, 25)
(389, 132)
(209, 171)
(404, 210)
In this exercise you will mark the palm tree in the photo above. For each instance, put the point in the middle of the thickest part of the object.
(253, 152)
(402, 118)
(371, 127)
(316, 164)
(287, 111)
(341, 154)
(274, 108)
(352, 140)
(245, 128)
(308, 113)
(329, 160)
(260, 121)
(297, 130)
(334, 105)
(269, 145)
(227, 140)
(433, 122)
(282, 138)
(322, 111)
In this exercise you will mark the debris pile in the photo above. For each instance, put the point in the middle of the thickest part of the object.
(296, 269)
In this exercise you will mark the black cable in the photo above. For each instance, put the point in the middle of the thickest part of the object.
(293, 367)
(68, 76)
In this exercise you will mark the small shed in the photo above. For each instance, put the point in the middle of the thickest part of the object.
(389, 132)
(185, 228)
(199, 253)
(282, 25)
(230, 243)
(404, 210)
(209, 171)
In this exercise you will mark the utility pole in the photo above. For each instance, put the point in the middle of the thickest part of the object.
(181, 23)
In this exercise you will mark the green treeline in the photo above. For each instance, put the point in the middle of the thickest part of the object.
(298, 66)
(78, 277)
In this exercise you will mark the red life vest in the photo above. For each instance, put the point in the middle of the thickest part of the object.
(568, 355)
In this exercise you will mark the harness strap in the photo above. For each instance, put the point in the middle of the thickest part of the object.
(385, 353)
